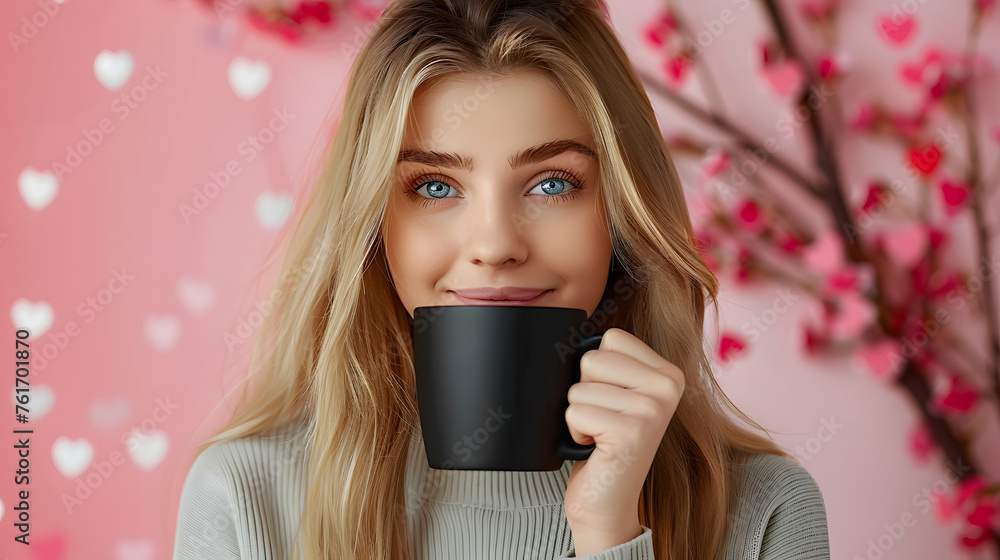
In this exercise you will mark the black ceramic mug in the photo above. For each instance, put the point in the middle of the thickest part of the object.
(492, 383)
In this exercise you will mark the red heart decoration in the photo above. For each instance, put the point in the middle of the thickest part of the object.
(954, 195)
(729, 346)
(925, 159)
(959, 398)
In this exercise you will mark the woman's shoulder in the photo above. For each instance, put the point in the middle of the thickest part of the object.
(770, 474)
(780, 511)
(253, 455)
(242, 490)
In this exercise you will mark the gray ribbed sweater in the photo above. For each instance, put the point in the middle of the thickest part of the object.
(243, 499)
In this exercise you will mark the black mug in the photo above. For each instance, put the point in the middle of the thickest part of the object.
(492, 383)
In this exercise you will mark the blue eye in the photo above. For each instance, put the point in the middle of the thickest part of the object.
(437, 192)
(559, 187)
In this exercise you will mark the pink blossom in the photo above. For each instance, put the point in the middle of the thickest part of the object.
(907, 126)
(873, 199)
(825, 254)
(853, 314)
(676, 68)
(864, 116)
(974, 538)
(936, 236)
(317, 9)
(958, 399)
(788, 242)
(367, 9)
(921, 441)
(743, 265)
(942, 507)
(983, 515)
(749, 216)
(730, 346)
(951, 283)
(882, 359)
(714, 161)
(817, 9)
(969, 487)
(786, 77)
(660, 29)
(842, 280)
(905, 245)
(290, 32)
(814, 340)
(827, 67)
(954, 194)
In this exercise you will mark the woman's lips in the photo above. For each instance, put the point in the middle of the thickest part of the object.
(511, 302)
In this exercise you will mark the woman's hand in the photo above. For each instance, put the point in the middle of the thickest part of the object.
(624, 401)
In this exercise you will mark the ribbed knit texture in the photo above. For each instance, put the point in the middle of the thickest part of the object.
(243, 499)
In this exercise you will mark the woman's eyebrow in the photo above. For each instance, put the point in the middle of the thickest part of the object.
(534, 154)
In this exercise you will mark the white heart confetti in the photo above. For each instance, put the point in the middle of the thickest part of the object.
(72, 456)
(35, 317)
(195, 296)
(147, 450)
(37, 188)
(109, 413)
(248, 78)
(273, 209)
(162, 332)
(135, 549)
(40, 399)
(113, 69)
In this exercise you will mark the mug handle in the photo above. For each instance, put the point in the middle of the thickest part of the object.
(568, 448)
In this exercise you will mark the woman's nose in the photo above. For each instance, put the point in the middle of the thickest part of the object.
(495, 231)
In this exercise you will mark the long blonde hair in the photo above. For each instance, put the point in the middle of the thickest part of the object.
(335, 349)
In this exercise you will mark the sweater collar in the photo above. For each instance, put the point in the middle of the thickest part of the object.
(487, 489)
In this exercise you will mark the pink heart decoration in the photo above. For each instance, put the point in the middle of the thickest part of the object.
(895, 32)
(825, 254)
(905, 245)
(883, 359)
(855, 313)
(913, 73)
(48, 548)
(784, 77)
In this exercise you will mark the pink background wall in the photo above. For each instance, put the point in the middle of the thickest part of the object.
(146, 312)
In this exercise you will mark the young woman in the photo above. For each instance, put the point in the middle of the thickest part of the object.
(493, 144)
